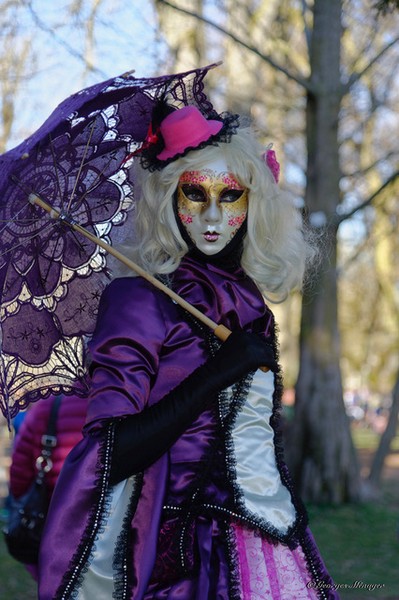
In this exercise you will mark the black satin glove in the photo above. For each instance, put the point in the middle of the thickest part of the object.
(142, 438)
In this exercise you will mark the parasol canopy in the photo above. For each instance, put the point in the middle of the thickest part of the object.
(52, 277)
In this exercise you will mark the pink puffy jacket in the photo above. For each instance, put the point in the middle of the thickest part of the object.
(27, 447)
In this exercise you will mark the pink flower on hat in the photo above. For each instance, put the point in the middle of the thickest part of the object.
(270, 159)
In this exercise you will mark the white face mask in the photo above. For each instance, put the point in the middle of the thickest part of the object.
(212, 205)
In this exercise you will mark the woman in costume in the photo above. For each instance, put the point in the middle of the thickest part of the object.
(179, 490)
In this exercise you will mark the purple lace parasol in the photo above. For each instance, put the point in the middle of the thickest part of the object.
(51, 278)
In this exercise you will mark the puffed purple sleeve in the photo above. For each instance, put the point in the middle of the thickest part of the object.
(125, 349)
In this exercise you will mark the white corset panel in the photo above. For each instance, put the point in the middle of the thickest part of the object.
(98, 580)
(257, 476)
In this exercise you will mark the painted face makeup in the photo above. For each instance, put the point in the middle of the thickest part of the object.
(212, 205)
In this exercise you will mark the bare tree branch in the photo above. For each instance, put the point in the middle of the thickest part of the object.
(386, 6)
(41, 25)
(305, 83)
(370, 167)
(340, 218)
(360, 249)
(356, 76)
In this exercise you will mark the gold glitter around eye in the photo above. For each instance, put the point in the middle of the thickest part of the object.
(187, 206)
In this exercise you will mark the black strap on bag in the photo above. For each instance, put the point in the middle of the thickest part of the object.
(28, 513)
(49, 441)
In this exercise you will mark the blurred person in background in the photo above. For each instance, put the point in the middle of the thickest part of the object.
(28, 444)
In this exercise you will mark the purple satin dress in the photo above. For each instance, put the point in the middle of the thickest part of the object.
(185, 535)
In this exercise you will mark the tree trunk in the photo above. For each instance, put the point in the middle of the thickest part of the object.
(386, 439)
(321, 452)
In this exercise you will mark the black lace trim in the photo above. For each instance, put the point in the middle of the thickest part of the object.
(324, 584)
(148, 156)
(301, 522)
(122, 564)
(78, 566)
(233, 562)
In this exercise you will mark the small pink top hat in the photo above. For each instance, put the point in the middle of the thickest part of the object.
(185, 128)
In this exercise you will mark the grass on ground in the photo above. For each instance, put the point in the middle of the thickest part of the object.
(360, 543)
